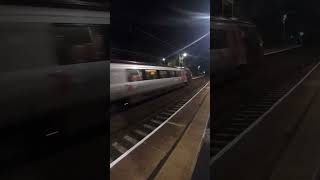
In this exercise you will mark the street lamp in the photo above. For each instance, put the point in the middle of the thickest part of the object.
(284, 18)
(301, 37)
(181, 58)
(163, 59)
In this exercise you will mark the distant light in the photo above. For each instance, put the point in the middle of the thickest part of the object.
(284, 18)
(301, 33)
(163, 59)
(185, 54)
(202, 17)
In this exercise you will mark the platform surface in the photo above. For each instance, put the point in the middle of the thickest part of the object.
(284, 145)
(175, 145)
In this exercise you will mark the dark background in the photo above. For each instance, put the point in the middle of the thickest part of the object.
(156, 29)
(267, 14)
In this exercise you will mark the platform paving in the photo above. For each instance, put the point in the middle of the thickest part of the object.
(284, 145)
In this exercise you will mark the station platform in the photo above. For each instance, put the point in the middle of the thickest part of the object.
(172, 151)
(271, 51)
(284, 144)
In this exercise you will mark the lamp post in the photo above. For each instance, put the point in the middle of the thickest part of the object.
(284, 18)
(181, 59)
(301, 34)
(164, 60)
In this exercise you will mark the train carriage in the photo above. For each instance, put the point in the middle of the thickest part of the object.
(235, 47)
(53, 66)
(128, 80)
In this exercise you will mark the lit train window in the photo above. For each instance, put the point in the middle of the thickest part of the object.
(134, 75)
(163, 74)
(151, 74)
(219, 39)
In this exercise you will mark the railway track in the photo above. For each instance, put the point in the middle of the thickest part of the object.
(126, 140)
(227, 134)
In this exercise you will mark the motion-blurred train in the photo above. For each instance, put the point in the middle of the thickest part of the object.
(236, 48)
(53, 71)
(132, 81)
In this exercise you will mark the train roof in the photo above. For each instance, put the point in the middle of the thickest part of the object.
(140, 66)
(231, 21)
(132, 62)
(97, 5)
(20, 13)
(121, 61)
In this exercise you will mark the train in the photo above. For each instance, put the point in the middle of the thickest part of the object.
(132, 81)
(236, 48)
(53, 72)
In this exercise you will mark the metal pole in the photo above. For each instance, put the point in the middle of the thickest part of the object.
(284, 18)
(284, 31)
(183, 64)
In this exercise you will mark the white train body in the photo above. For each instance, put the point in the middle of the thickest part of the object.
(51, 61)
(128, 80)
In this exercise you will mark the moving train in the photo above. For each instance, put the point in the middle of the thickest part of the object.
(132, 81)
(53, 72)
(236, 47)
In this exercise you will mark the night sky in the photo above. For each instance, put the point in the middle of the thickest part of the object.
(159, 28)
(267, 14)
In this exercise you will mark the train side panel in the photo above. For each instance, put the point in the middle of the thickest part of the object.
(236, 49)
(122, 88)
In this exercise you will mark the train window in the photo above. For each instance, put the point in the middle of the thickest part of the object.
(151, 74)
(171, 73)
(134, 75)
(28, 45)
(163, 74)
(178, 73)
(79, 44)
(219, 39)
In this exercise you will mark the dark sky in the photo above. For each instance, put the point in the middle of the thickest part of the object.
(161, 27)
(175, 22)
(302, 16)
